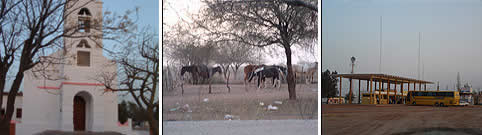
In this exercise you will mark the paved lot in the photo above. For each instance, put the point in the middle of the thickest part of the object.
(241, 127)
(400, 119)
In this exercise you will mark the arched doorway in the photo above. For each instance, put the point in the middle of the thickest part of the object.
(82, 111)
(79, 113)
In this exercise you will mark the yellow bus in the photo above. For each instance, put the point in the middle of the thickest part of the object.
(436, 98)
(399, 99)
(336, 100)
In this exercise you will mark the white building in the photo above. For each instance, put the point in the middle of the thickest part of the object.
(17, 112)
(75, 101)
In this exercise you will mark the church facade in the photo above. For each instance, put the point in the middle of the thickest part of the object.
(68, 96)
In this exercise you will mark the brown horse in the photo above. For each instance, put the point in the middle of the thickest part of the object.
(306, 72)
(248, 69)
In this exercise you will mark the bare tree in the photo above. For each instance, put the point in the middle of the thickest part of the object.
(35, 28)
(262, 23)
(139, 74)
(240, 54)
(180, 44)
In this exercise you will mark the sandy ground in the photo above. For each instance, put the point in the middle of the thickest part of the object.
(400, 119)
(239, 103)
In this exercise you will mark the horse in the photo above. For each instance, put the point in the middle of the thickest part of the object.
(200, 70)
(193, 69)
(306, 71)
(311, 72)
(207, 73)
(248, 69)
(284, 71)
(266, 72)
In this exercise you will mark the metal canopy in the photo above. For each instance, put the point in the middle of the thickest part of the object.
(382, 78)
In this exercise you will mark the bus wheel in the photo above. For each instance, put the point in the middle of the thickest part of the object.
(414, 103)
(442, 104)
(436, 104)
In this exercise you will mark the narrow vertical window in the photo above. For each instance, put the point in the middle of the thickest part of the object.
(84, 20)
(19, 112)
(84, 24)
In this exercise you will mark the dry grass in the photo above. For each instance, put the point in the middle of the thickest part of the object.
(242, 104)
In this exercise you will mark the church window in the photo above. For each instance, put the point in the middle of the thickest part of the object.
(83, 44)
(84, 24)
(19, 112)
(84, 20)
(84, 11)
(83, 58)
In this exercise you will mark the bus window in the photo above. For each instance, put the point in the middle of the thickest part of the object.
(450, 94)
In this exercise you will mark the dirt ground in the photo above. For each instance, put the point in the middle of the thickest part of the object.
(239, 103)
(400, 119)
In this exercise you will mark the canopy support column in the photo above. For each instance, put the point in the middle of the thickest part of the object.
(419, 86)
(388, 92)
(368, 86)
(395, 91)
(401, 92)
(380, 91)
(350, 94)
(339, 98)
(371, 88)
(359, 89)
(414, 86)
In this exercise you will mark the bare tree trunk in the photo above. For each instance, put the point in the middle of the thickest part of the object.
(227, 82)
(4, 127)
(290, 79)
(182, 88)
(209, 80)
(153, 124)
(5, 121)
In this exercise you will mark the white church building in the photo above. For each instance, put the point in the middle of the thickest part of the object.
(75, 101)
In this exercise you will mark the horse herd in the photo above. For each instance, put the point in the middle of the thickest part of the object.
(275, 72)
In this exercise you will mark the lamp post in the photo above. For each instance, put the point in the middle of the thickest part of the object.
(352, 69)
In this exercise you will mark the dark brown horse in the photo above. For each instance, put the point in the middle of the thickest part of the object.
(200, 70)
(193, 69)
(207, 73)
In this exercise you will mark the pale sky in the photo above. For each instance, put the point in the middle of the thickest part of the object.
(176, 9)
(451, 42)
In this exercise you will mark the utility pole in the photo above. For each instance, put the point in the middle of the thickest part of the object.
(418, 66)
(458, 82)
(380, 64)
(438, 86)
